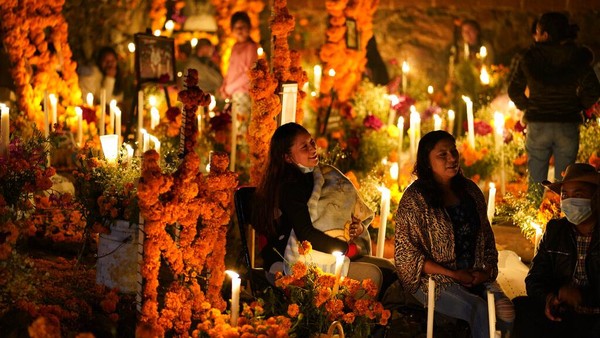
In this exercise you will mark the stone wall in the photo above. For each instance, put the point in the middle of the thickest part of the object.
(422, 33)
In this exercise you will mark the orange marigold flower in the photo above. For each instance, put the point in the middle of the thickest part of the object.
(349, 318)
(304, 248)
(293, 310)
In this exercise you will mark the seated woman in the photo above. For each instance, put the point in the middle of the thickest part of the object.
(442, 231)
(299, 200)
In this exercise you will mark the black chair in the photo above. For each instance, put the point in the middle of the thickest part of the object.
(243, 199)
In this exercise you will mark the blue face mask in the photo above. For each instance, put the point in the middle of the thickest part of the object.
(577, 210)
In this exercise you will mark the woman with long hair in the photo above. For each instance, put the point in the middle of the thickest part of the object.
(442, 231)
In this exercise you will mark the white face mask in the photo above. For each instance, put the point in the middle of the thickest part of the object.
(304, 169)
(577, 210)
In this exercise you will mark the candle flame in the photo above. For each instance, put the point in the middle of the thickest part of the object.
(169, 25)
(405, 67)
(131, 47)
(483, 52)
(157, 32)
(430, 90)
(484, 77)
(492, 185)
(260, 51)
(331, 72)
(467, 99)
(194, 42)
(232, 274)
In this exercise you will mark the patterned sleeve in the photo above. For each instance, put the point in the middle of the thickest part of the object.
(409, 255)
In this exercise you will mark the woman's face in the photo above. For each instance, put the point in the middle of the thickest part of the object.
(240, 31)
(469, 34)
(303, 151)
(443, 160)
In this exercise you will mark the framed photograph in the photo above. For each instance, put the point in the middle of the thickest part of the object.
(154, 59)
(352, 37)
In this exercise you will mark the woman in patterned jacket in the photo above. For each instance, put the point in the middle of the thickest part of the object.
(442, 231)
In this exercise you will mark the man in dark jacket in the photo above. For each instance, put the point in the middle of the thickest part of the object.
(561, 85)
(563, 285)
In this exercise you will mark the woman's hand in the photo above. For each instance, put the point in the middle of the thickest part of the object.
(480, 276)
(464, 277)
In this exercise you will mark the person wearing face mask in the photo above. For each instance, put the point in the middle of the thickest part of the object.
(563, 284)
(299, 200)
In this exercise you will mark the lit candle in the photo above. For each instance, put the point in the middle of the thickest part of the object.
(484, 76)
(415, 131)
(53, 104)
(199, 117)
(234, 132)
(491, 206)
(538, 236)
(483, 52)
(110, 147)
(437, 122)
(430, 306)
(155, 143)
(169, 26)
(212, 104)
(260, 52)
(339, 263)
(405, 70)
(4, 130)
(499, 128)
(394, 100)
(331, 72)
(317, 71)
(46, 118)
(111, 115)
(154, 117)
(129, 151)
(288, 103)
(451, 117)
(79, 114)
(89, 99)
(235, 296)
(145, 141)
(491, 313)
(394, 170)
(118, 124)
(102, 111)
(470, 122)
(157, 32)
(400, 140)
(194, 42)
(140, 124)
(383, 215)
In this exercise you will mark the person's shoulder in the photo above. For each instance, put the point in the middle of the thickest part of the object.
(558, 225)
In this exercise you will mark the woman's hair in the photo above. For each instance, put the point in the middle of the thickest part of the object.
(101, 54)
(432, 190)
(556, 25)
(276, 172)
(240, 16)
(472, 23)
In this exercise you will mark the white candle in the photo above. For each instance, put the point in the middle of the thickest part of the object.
(260, 52)
(483, 52)
(470, 121)
(537, 238)
(140, 111)
(46, 118)
(235, 297)
(499, 129)
(405, 70)
(145, 141)
(317, 71)
(394, 170)
(491, 206)
(484, 76)
(383, 215)
(394, 100)
(53, 104)
(339, 263)
(451, 117)
(288, 103)
(111, 116)
(199, 117)
(118, 123)
(415, 131)
(155, 143)
(79, 114)
(154, 117)
(110, 144)
(234, 132)
(89, 100)
(491, 313)
(129, 151)
(437, 122)
(331, 72)
(4, 130)
(430, 306)
(102, 112)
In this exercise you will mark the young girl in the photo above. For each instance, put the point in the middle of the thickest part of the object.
(299, 200)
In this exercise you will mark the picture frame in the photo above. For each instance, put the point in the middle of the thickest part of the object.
(154, 59)
(352, 35)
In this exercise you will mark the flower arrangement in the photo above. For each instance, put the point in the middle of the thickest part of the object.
(529, 214)
(106, 192)
(312, 304)
(589, 149)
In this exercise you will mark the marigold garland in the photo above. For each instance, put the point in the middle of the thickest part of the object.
(182, 198)
(35, 68)
(265, 107)
(158, 14)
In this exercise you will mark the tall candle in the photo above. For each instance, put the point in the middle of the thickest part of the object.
(288, 103)
(451, 117)
(102, 111)
(499, 129)
(53, 104)
(405, 70)
(234, 132)
(470, 121)
(383, 215)
(484, 76)
(437, 122)
(235, 297)
(4, 130)
(317, 72)
(430, 306)
(46, 118)
(199, 117)
(400, 126)
(491, 206)
(154, 117)
(415, 131)
(118, 123)
(491, 313)
(394, 100)
(339, 263)
(140, 124)
(111, 116)
(537, 238)
(155, 143)
(79, 114)
(483, 52)
(394, 171)
(145, 141)
(89, 100)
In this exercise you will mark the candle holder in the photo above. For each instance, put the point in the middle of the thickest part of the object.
(110, 147)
